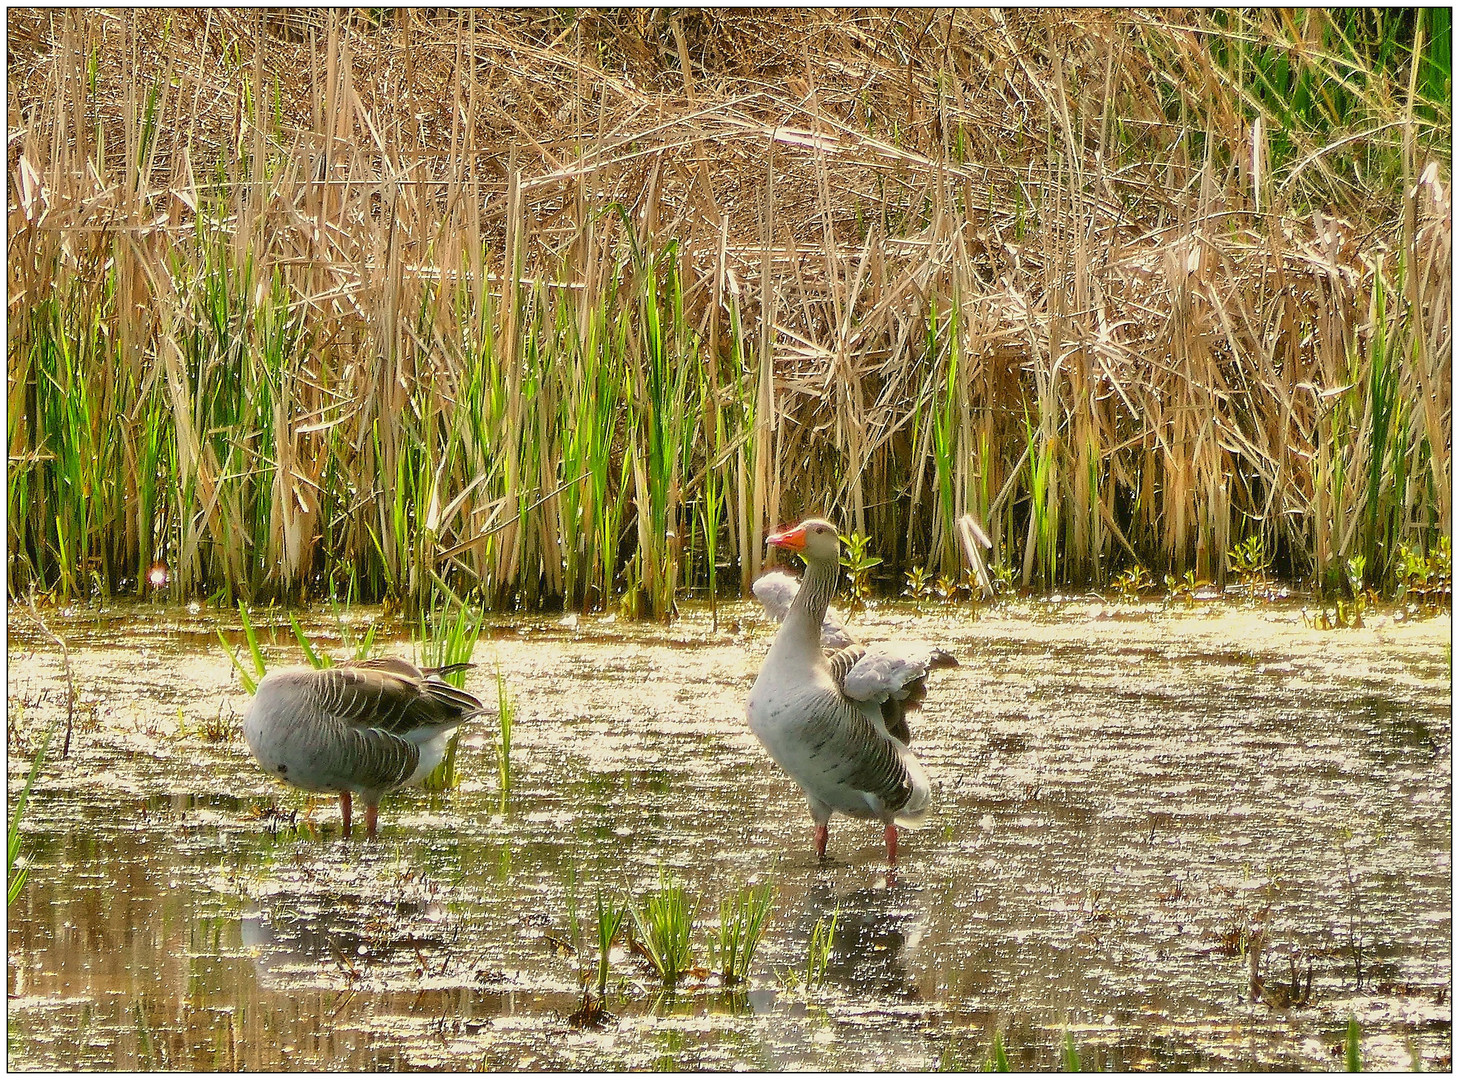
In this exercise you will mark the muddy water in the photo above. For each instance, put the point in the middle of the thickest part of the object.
(1134, 805)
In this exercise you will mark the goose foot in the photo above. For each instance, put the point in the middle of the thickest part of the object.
(823, 833)
(344, 812)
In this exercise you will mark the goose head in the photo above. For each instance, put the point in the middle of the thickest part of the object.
(814, 540)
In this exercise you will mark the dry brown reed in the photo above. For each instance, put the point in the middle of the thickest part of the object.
(307, 300)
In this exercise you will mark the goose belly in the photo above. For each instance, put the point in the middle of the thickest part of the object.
(293, 742)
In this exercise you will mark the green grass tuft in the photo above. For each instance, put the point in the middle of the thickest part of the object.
(663, 925)
(742, 919)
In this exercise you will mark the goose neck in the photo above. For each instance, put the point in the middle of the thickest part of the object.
(816, 591)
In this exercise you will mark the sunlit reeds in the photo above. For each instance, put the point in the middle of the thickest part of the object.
(302, 328)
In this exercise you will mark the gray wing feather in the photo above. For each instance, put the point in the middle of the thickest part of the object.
(884, 673)
(392, 696)
(840, 732)
(895, 680)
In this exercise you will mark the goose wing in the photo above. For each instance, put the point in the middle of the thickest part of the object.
(894, 678)
(847, 749)
(392, 696)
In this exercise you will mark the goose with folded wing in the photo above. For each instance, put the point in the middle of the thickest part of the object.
(836, 721)
(364, 728)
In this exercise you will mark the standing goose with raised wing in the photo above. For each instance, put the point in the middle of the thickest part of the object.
(363, 728)
(837, 722)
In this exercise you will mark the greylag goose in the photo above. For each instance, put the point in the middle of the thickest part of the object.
(362, 728)
(837, 722)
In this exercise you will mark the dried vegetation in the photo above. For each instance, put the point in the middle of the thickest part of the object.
(527, 301)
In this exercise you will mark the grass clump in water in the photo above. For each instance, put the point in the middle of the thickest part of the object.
(818, 955)
(663, 925)
(742, 919)
(610, 921)
(610, 918)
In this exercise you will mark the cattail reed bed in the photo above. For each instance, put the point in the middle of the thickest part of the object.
(555, 309)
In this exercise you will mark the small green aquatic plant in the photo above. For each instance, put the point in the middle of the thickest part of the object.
(856, 557)
(15, 873)
(1131, 581)
(249, 677)
(317, 660)
(1071, 1054)
(818, 955)
(1352, 1051)
(945, 588)
(506, 711)
(1249, 563)
(1182, 588)
(610, 921)
(663, 925)
(593, 1012)
(1425, 579)
(742, 919)
(919, 583)
(998, 1058)
(446, 640)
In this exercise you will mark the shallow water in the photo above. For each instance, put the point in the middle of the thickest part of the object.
(1132, 803)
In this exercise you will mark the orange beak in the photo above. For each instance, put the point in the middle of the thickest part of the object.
(792, 539)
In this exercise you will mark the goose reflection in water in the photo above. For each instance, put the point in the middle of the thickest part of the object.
(878, 931)
(289, 950)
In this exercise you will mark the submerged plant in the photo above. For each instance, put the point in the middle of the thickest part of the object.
(742, 919)
(663, 926)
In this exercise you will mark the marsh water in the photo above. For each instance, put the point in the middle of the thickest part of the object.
(1136, 807)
